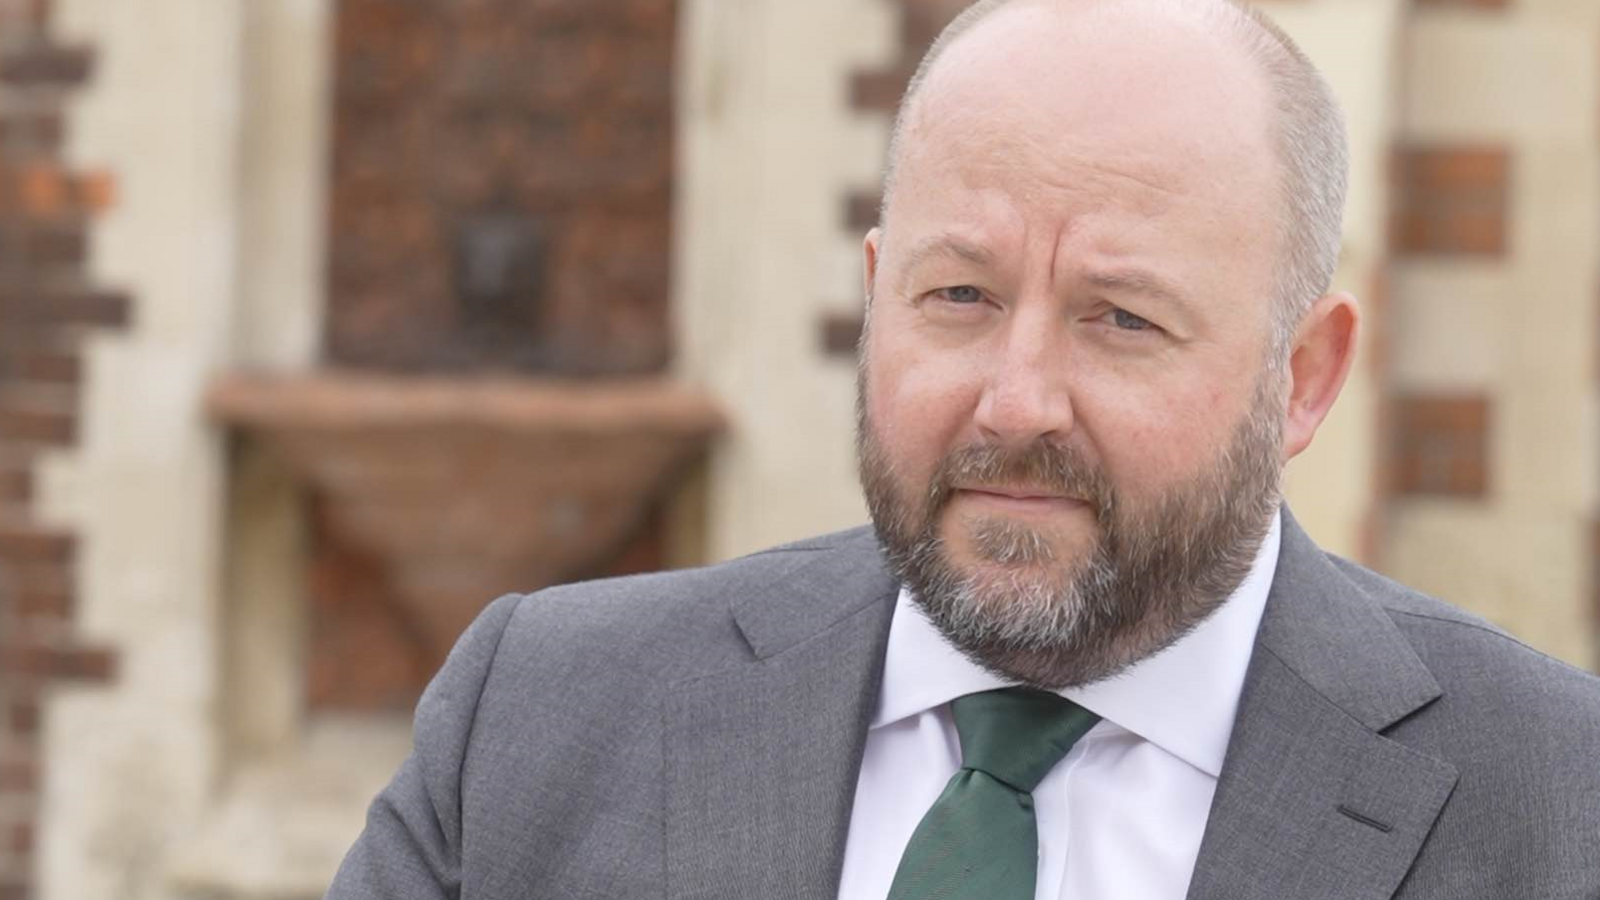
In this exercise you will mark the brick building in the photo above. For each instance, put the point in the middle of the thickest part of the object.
(324, 321)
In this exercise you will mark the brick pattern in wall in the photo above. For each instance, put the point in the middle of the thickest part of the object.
(1450, 201)
(878, 90)
(1448, 204)
(501, 203)
(501, 192)
(1439, 446)
(371, 653)
(47, 306)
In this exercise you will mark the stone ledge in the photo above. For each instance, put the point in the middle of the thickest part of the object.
(459, 490)
(357, 401)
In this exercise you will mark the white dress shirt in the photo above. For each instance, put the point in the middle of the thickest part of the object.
(1121, 816)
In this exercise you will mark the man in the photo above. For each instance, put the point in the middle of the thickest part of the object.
(1098, 327)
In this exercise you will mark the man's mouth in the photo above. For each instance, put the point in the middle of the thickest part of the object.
(1019, 499)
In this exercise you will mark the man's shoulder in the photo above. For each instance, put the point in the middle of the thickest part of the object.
(1519, 728)
(543, 678)
(677, 620)
(1485, 673)
(619, 601)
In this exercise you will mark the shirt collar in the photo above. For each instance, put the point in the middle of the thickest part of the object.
(1182, 699)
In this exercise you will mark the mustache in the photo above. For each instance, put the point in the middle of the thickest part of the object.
(1042, 466)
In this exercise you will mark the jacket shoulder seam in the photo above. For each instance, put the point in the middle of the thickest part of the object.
(1492, 632)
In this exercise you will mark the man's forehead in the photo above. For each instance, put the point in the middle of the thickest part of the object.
(1122, 84)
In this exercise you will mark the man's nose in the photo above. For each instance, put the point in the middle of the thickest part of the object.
(1026, 394)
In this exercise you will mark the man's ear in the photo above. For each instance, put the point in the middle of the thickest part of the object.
(869, 258)
(1324, 348)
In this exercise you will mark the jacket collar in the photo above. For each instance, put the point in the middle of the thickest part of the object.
(1314, 801)
(761, 759)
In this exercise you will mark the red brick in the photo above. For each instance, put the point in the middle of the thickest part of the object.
(362, 654)
(878, 91)
(42, 189)
(42, 604)
(95, 191)
(23, 717)
(34, 576)
(21, 17)
(1440, 445)
(922, 20)
(24, 543)
(21, 306)
(40, 186)
(27, 134)
(1460, 168)
(427, 142)
(18, 776)
(645, 551)
(42, 64)
(95, 664)
(35, 426)
(20, 658)
(55, 247)
(861, 210)
(1450, 200)
(16, 485)
(651, 17)
(44, 209)
(48, 367)
(839, 333)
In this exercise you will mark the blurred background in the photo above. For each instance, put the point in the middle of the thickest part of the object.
(323, 322)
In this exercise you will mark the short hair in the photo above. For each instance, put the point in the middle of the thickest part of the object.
(1309, 134)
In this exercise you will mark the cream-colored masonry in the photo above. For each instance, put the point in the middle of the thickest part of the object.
(209, 113)
(1518, 329)
(158, 788)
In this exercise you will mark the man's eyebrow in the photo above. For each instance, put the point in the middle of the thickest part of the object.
(948, 245)
(1135, 281)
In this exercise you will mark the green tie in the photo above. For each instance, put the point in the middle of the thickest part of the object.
(979, 840)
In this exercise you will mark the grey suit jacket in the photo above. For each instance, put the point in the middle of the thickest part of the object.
(698, 734)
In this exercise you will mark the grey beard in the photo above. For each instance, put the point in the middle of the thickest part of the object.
(1150, 577)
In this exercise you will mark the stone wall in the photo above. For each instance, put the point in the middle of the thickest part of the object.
(148, 659)
(49, 305)
(770, 147)
(134, 762)
(1496, 276)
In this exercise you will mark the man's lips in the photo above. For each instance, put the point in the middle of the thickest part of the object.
(1019, 499)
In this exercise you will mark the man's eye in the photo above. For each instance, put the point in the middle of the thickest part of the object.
(1130, 322)
(961, 294)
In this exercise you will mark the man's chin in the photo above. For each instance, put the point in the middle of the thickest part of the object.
(997, 586)
(978, 544)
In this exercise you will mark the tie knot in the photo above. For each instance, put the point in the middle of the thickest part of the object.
(1017, 735)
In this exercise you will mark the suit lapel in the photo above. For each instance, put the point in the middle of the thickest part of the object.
(1313, 801)
(762, 759)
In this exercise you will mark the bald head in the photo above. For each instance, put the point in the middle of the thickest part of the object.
(1301, 122)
